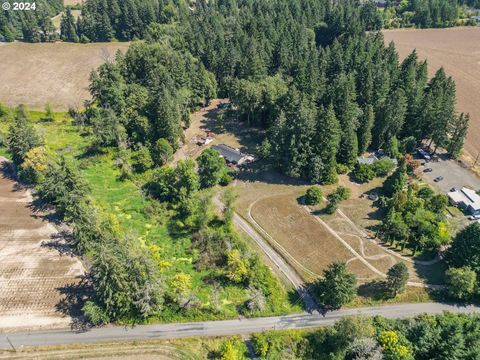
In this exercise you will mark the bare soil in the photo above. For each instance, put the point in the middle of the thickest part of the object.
(35, 278)
(231, 131)
(458, 51)
(55, 73)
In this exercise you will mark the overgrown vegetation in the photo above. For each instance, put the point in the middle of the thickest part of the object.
(149, 259)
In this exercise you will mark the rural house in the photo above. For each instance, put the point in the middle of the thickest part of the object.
(232, 156)
(466, 199)
(371, 159)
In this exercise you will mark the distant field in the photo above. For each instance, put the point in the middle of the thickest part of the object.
(34, 74)
(72, 2)
(458, 51)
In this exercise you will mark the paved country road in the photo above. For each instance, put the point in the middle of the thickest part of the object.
(218, 328)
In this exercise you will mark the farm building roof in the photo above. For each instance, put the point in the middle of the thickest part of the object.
(230, 154)
(367, 160)
(467, 197)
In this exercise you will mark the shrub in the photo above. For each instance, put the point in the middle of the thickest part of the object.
(343, 192)
(383, 167)
(313, 196)
(49, 115)
(363, 173)
(461, 282)
(342, 169)
(233, 349)
(95, 314)
(226, 178)
(237, 266)
(162, 152)
(142, 159)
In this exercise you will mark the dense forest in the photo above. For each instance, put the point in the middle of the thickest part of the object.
(103, 20)
(34, 25)
(323, 89)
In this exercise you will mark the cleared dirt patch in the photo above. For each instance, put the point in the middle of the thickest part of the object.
(34, 277)
(458, 51)
(36, 74)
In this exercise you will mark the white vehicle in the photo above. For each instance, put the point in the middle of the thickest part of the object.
(474, 217)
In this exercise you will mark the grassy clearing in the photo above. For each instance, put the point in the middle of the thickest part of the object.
(146, 223)
(368, 295)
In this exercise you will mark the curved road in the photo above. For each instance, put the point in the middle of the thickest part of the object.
(218, 328)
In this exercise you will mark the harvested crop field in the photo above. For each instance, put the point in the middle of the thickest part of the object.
(34, 277)
(458, 51)
(55, 73)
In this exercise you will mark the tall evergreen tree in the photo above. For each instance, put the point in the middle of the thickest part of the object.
(326, 145)
(343, 98)
(68, 31)
(458, 131)
(22, 136)
(367, 121)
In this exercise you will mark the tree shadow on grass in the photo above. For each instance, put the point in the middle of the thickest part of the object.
(262, 171)
(375, 290)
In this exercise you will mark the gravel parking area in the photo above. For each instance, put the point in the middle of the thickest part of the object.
(454, 175)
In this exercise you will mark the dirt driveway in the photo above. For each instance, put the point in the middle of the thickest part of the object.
(33, 273)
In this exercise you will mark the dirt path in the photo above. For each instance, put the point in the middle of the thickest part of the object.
(33, 274)
(359, 253)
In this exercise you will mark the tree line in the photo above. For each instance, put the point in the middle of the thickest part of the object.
(425, 13)
(124, 20)
(32, 26)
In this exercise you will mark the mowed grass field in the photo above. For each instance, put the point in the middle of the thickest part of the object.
(458, 51)
(55, 73)
(310, 240)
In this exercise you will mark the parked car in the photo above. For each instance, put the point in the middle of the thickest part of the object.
(438, 179)
(453, 189)
(428, 170)
(474, 217)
